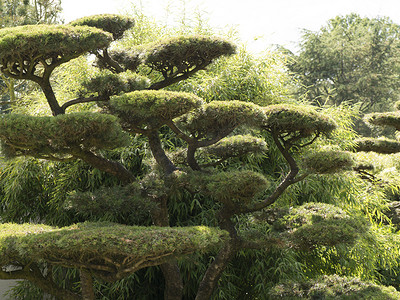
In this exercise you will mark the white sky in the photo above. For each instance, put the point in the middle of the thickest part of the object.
(260, 22)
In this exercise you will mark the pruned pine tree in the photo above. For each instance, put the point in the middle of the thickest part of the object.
(381, 145)
(135, 105)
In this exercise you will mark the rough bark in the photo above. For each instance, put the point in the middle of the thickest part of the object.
(87, 285)
(214, 271)
(173, 281)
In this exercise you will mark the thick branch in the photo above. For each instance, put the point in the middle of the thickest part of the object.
(287, 181)
(214, 271)
(105, 165)
(191, 160)
(51, 98)
(86, 285)
(84, 100)
(159, 153)
(211, 278)
(34, 275)
(170, 269)
(171, 80)
(108, 61)
(180, 134)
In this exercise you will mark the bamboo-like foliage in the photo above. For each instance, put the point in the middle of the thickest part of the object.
(333, 287)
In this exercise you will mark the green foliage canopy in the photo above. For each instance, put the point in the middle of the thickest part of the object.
(64, 134)
(183, 53)
(283, 118)
(382, 145)
(351, 59)
(113, 246)
(23, 48)
(114, 24)
(218, 116)
(152, 108)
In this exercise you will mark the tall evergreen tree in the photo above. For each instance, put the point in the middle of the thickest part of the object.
(351, 59)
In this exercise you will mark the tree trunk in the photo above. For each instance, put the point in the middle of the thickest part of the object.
(173, 281)
(159, 153)
(214, 272)
(172, 276)
(51, 98)
(191, 159)
(87, 285)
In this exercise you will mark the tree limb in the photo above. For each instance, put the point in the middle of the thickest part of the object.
(84, 100)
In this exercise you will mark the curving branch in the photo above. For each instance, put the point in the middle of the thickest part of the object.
(171, 80)
(287, 181)
(84, 100)
(103, 164)
(111, 64)
(33, 274)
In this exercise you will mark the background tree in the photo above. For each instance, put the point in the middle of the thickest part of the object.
(208, 133)
(351, 59)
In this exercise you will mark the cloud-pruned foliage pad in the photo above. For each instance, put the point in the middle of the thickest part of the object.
(328, 161)
(114, 24)
(214, 117)
(106, 83)
(112, 246)
(237, 145)
(381, 145)
(333, 288)
(153, 108)
(283, 118)
(61, 134)
(316, 224)
(181, 54)
(23, 47)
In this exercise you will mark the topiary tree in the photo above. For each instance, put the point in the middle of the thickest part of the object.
(129, 104)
